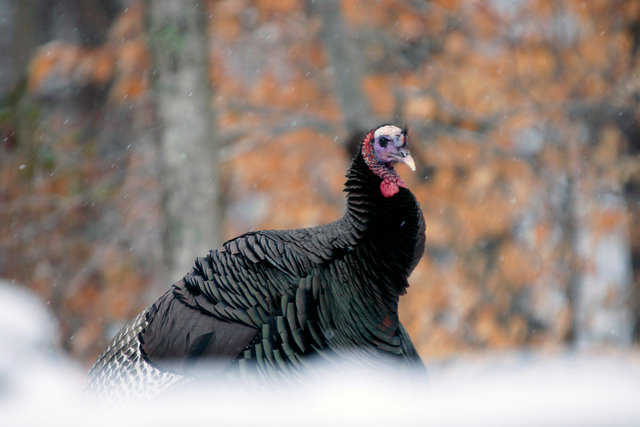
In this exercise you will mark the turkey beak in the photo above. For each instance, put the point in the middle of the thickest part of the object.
(404, 157)
(409, 162)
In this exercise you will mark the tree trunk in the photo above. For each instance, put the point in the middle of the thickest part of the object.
(177, 34)
(603, 287)
(347, 64)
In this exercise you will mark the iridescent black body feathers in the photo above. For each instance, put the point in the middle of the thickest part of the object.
(267, 302)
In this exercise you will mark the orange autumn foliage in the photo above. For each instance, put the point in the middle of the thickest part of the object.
(521, 119)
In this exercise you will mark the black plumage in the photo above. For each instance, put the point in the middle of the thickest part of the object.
(266, 302)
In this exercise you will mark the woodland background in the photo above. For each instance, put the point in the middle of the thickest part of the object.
(119, 163)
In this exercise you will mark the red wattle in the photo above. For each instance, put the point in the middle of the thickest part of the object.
(388, 188)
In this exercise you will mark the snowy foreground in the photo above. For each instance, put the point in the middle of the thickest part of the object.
(40, 387)
(571, 391)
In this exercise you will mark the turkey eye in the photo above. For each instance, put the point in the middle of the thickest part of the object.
(383, 141)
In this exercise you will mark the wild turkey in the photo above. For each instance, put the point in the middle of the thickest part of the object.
(266, 302)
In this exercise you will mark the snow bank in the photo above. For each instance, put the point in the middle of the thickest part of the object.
(39, 386)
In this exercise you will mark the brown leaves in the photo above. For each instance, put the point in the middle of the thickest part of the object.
(521, 119)
(123, 62)
(306, 182)
(59, 63)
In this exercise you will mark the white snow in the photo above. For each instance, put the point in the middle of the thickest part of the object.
(39, 386)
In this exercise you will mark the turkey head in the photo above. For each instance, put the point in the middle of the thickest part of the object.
(382, 148)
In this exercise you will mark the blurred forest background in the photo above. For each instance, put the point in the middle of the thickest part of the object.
(119, 163)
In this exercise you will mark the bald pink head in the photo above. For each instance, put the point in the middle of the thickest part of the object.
(382, 148)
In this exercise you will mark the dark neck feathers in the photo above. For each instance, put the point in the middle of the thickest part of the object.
(388, 228)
